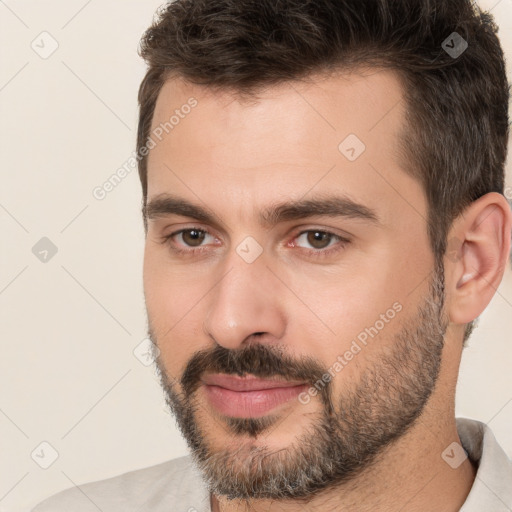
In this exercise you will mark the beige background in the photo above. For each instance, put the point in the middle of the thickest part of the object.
(68, 374)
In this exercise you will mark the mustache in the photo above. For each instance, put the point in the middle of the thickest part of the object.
(259, 360)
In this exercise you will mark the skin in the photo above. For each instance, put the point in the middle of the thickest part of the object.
(235, 158)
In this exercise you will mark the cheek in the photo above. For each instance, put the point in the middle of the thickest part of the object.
(338, 303)
(169, 290)
(345, 317)
(173, 303)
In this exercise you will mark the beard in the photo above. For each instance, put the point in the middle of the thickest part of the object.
(342, 439)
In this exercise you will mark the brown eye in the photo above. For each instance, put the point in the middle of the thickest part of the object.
(193, 237)
(317, 243)
(319, 239)
(189, 242)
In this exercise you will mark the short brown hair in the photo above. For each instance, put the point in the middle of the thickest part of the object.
(455, 139)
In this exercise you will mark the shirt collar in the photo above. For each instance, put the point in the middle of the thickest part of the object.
(492, 487)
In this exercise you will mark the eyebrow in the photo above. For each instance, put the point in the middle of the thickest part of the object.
(165, 204)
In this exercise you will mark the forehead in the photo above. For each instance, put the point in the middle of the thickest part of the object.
(338, 131)
(319, 105)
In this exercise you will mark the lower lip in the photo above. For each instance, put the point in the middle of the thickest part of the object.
(250, 404)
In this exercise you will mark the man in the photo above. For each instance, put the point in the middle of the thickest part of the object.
(325, 219)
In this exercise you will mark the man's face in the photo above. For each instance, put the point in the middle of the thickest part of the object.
(342, 310)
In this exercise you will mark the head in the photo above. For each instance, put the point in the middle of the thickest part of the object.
(270, 128)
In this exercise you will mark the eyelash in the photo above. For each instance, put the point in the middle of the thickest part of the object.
(316, 253)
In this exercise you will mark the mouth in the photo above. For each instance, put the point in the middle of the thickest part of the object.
(249, 397)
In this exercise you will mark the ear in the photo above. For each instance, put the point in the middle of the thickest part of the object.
(477, 255)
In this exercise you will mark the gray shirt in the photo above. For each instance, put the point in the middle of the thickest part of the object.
(176, 485)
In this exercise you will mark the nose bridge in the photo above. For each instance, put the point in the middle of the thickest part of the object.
(244, 301)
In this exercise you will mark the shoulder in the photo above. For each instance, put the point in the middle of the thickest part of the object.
(153, 488)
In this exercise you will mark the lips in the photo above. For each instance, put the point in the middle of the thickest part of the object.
(247, 397)
(249, 383)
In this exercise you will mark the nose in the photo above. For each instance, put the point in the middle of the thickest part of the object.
(246, 301)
